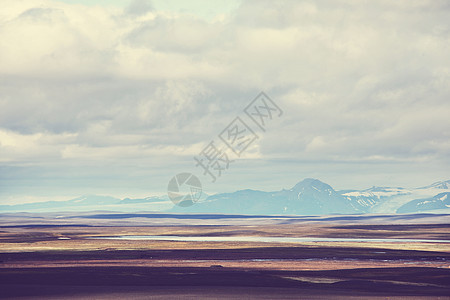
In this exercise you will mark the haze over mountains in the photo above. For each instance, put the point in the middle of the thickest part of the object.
(308, 197)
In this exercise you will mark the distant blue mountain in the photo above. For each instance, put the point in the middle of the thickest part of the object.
(84, 203)
(444, 185)
(440, 201)
(140, 201)
(311, 197)
(308, 197)
(90, 200)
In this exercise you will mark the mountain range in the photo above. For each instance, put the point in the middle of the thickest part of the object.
(314, 197)
(308, 197)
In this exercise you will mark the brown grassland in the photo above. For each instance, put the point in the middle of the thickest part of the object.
(54, 262)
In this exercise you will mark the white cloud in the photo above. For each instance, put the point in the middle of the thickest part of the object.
(358, 81)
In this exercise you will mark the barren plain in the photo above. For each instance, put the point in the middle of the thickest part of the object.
(54, 258)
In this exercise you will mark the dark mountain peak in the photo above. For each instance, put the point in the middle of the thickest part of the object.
(312, 184)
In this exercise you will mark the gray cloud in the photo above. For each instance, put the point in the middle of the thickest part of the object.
(139, 7)
(365, 82)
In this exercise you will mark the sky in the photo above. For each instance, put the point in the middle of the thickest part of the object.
(117, 97)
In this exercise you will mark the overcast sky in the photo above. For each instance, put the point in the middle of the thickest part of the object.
(116, 97)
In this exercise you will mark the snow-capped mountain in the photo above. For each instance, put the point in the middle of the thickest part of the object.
(440, 201)
(444, 185)
(366, 200)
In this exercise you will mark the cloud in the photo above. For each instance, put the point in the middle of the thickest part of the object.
(358, 81)
(139, 7)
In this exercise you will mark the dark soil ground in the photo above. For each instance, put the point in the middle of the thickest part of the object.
(35, 263)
